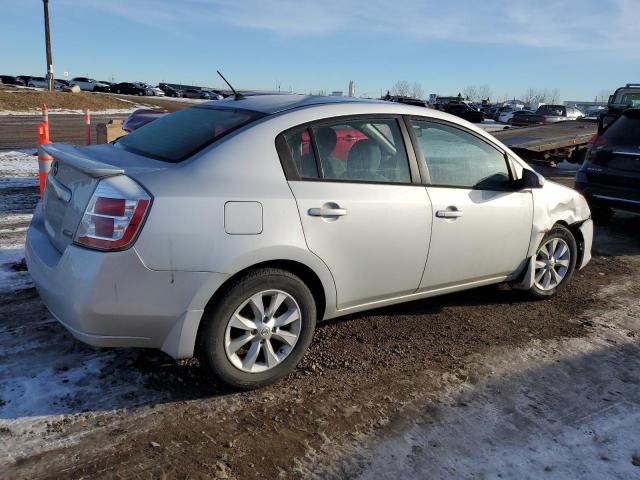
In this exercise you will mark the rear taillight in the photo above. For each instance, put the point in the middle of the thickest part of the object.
(114, 214)
(597, 141)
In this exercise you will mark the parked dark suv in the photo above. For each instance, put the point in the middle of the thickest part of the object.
(623, 98)
(610, 175)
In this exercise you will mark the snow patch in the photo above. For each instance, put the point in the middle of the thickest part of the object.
(13, 276)
(18, 163)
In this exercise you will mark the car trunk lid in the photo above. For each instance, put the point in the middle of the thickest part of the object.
(616, 167)
(73, 178)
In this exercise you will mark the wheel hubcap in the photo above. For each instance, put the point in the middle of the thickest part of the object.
(262, 331)
(552, 264)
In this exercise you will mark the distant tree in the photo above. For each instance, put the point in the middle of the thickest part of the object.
(470, 93)
(417, 91)
(401, 88)
(530, 96)
(484, 92)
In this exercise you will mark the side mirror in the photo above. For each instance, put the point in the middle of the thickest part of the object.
(531, 179)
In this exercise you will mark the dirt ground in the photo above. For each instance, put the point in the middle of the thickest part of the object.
(24, 100)
(375, 390)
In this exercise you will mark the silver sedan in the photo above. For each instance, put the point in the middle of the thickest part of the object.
(228, 229)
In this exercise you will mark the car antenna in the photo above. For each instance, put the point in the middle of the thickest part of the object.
(237, 96)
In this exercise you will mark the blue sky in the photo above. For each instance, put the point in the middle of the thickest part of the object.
(580, 47)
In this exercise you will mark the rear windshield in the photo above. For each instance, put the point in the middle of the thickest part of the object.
(625, 131)
(176, 137)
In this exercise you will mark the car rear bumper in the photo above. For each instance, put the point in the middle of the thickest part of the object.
(112, 299)
(610, 196)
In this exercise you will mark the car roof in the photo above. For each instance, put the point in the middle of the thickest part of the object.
(276, 103)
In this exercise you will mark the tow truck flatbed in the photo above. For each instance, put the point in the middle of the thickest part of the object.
(550, 138)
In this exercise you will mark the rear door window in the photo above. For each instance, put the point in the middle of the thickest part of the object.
(361, 150)
(178, 136)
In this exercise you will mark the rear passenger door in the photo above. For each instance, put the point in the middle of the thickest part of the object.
(481, 224)
(362, 207)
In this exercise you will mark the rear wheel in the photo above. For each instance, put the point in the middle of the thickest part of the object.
(554, 262)
(259, 330)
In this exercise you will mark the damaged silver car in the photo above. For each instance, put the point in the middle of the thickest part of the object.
(228, 229)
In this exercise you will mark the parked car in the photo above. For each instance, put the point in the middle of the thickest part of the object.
(129, 88)
(557, 113)
(11, 80)
(196, 93)
(623, 98)
(62, 82)
(89, 84)
(463, 110)
(405, 100)
(505, 115)
(41, 82)
(210, 231)
(24, 78)
(170, 91)
(610, 174)
(141, 117)
(489, 111)
(154, 91)
(522, 118)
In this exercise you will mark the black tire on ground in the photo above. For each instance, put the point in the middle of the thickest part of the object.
(577, 156)
(210, 348)
(601, 215)
(117, 91)
(558, 231)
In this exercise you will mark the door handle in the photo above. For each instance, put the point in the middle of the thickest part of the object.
(327, 212)
(449, 213)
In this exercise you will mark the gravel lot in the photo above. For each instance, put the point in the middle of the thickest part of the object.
(480, 384)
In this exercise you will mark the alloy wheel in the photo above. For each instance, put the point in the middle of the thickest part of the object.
(552, 263)
(263, 331)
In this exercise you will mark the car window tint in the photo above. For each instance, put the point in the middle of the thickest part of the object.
(625, 131)
(299, 143)
(179, 135)
(456, 158)
(362, 150)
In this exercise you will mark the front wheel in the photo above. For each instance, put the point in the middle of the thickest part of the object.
(259, 330)
(554, 262)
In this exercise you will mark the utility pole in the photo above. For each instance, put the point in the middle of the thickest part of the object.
(47, 39)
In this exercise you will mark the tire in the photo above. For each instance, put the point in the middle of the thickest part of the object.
(510, 122)
(602, 215)
(561, 235)
(117, 91)
(218, 332)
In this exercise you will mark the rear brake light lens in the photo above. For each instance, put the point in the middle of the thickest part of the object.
(597, 141)
(115, 213)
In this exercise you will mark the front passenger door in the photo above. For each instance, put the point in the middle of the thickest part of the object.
(481, 226)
